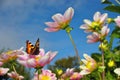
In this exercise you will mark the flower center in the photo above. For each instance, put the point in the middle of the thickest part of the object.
(95, 26)
(44, 77)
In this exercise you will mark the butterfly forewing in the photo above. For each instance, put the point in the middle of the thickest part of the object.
(32, 49)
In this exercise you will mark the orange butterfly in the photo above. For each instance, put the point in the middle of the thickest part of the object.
(32, 49)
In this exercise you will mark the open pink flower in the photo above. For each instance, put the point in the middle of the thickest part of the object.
(89, 65)
(10, 55)
(71, 75)
(76, 76)
(95, 37)
(45, 75)
(68, 73)
(3, 71)
(60, 21)
(15, 76)
(117, 21)
(39, 60)
(97, 24)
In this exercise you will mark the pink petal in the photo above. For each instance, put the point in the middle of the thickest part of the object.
(51, 29)
(3, 71)
(31, 63)
(58, 18)
(51, 54)
(97, 16)
(52, 24)
(103, 18)
(42, 52)
(88, 22)
(117, 21)
(88, 58)
(69, 13)
(85, 72)
(105, 30)
(93, 38)
(23, 63)
(1, 63)
(43, 61)
(23, 57)
(84, 26)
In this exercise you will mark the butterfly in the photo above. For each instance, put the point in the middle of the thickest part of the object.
(32, 49)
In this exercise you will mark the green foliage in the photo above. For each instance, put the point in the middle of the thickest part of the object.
(116, 32)
(113, 8)
(106, 2)
(64, 63)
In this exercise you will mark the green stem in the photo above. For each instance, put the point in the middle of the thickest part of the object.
(111, 42)
(15, 71)
(39, 71)
(103, 64)
(75, 48)
(99, 76)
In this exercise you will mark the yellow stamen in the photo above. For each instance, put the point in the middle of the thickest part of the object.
(45, 78)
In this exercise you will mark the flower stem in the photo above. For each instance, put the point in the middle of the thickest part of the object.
(103, 64)
(75, 48)
(16, 72)
(39, 71)
(99, 76)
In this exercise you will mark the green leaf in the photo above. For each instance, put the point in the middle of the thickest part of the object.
(116, 33)
(113, 8)
(106, 2)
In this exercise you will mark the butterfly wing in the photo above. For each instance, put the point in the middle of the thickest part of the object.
(35, 50)
(32, 49)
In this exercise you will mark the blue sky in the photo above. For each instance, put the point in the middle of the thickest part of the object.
(23, 20)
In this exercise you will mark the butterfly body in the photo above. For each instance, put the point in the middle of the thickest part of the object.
(32, 49)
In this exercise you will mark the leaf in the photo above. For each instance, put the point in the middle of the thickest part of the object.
(96, 56)
(113, 8)
(106, 2)
(116, 33)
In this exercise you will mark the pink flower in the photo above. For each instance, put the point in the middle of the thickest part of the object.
(3, 71)
(45, 75)
(15, 76)
(97, 24)
(76, 76)
(117, 21)
(69, 72)
(60, 21)
(1, 63)
(95, 37)
(89, 65)
(10, 55)
(39, 60)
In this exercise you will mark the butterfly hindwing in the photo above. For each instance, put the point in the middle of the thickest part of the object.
(32, 49)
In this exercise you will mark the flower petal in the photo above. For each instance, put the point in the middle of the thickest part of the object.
(84, 72)
(88, 22)
(31, 63)
(43, 61)
(97, 16)
(69, 13)
(51, 29)
(52, 24)
(58, 18)
(103, 18)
